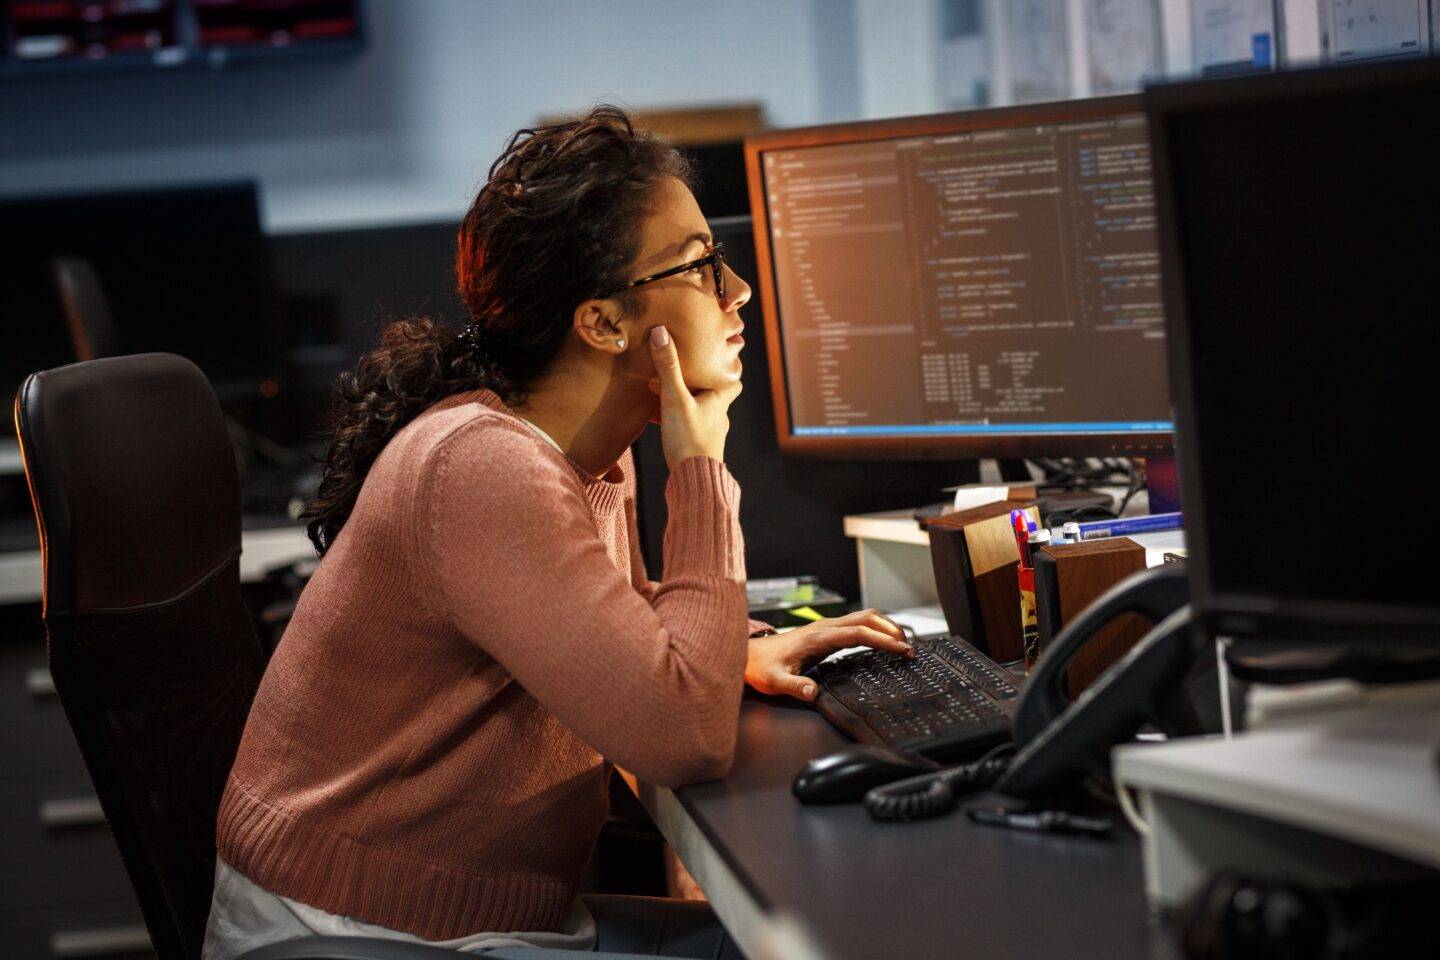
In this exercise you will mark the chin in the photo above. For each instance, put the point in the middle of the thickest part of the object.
(716, 377)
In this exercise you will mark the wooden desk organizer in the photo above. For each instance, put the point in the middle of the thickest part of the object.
(1067, 578)
(975, 559)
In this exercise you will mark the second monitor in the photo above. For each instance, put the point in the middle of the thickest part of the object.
(974, 284)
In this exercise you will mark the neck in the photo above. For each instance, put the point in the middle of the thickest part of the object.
(593, 413)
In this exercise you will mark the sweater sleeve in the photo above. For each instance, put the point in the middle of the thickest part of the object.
(649, 589)
(514, 561)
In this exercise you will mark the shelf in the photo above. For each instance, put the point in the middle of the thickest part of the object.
(1352, 793)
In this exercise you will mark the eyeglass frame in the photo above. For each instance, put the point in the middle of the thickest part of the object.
(715, 259)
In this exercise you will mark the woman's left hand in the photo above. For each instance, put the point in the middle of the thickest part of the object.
(776, 662)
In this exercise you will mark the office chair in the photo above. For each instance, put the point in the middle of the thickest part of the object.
(153, 652)
(94, 334)
(87, 310)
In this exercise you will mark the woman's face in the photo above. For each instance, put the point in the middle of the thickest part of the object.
(706, 329)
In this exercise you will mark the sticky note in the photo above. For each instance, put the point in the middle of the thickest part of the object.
(804, 593)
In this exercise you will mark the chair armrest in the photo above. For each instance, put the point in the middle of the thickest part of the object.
(348, 948)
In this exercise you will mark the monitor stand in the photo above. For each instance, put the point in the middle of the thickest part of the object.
(1162, 480)
(1002, 470)
(1014, 470)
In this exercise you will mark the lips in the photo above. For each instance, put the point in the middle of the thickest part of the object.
(735, 337)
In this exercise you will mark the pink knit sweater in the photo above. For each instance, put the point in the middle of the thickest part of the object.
(430, 747)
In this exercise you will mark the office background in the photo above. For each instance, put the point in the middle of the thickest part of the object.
(403, 131)
(363, 161)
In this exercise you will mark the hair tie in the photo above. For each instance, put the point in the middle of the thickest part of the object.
(473, 339)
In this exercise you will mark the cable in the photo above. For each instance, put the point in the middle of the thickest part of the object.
(1127, 807)
(1070, 474)
(1138, 481)
(931, 794)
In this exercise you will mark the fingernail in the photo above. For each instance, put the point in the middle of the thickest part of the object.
(909, 650)
(659, 336)
(808, 689)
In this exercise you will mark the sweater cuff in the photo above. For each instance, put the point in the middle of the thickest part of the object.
(702, 534)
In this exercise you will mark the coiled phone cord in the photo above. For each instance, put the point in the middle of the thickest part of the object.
(931, 794)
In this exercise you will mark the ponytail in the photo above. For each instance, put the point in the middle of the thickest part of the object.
(417, 363)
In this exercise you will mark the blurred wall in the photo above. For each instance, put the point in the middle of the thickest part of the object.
(405, 131)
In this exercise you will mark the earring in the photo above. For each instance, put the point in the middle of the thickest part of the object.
(620, 344)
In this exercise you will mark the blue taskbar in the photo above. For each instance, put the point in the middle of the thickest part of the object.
(960, 430)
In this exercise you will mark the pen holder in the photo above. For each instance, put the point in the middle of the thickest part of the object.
(975, 558)
(1068, 577)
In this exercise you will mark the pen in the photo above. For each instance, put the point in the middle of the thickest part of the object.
(1022, 536)
(1130, 525)
(1025, 529)
(1042, 821)
(1071, 531)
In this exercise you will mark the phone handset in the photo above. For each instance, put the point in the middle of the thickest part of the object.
(1059, 742)
(1154, 594)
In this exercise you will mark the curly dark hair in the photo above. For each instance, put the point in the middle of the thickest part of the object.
(556, 223)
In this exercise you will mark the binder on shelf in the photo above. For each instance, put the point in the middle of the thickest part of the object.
(975, 559)
(1068, 577)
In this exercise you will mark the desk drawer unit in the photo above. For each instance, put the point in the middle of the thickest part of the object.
(99, 933)
(63, 889)
(35, 738)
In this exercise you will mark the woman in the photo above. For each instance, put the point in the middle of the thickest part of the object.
(429, 753)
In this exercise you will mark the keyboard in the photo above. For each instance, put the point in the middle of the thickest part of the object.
(950, 700)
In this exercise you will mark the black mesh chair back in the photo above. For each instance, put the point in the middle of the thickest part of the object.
(87, 309)
(154, 656)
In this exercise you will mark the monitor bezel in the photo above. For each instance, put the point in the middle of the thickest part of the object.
(1034, 444)
(1235, 614)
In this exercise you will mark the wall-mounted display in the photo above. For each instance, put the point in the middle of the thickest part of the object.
(58, 36)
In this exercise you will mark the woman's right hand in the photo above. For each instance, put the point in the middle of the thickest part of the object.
(691, 425)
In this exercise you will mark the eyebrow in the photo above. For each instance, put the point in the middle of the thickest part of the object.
(701, 236)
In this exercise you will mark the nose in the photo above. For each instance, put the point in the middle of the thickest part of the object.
(737, 291)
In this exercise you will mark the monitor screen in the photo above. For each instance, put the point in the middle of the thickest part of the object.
(972, 284)
(182, 270)
(1301, 216)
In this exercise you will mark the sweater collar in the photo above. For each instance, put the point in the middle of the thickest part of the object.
(600, 490)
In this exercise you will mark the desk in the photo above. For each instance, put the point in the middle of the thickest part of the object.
(261, 551)
(827, 883)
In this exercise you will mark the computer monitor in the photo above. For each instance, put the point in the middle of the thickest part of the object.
(975, 284)
(184, 270)
(1300, 219)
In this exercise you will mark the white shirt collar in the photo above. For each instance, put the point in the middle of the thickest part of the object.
(545, 436)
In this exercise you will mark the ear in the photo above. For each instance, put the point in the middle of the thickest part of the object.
(598, 325)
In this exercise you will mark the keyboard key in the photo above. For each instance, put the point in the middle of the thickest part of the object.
(943, 700)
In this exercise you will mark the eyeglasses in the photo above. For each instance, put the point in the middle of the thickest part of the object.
(715, 259)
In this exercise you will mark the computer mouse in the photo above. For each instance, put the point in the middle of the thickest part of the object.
(845, 775)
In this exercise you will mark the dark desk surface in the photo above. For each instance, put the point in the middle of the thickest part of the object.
(937, 888)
